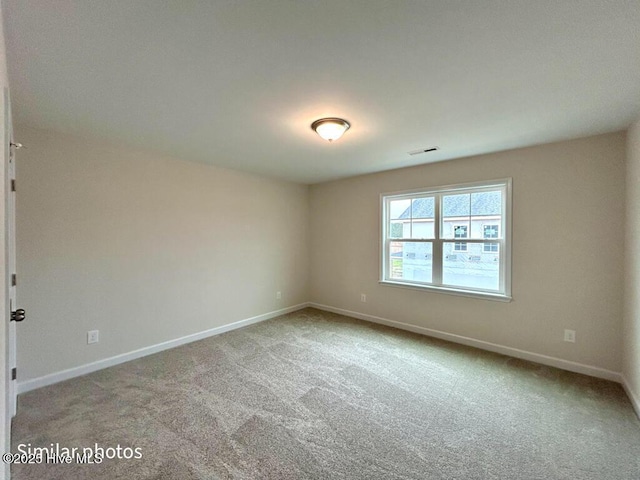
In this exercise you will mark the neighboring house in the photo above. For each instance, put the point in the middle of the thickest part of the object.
(466, 216)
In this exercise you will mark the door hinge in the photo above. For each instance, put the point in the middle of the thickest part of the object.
(14, 373)
(14, 280)
(13, 185)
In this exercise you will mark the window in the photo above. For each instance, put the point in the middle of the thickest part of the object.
(490, 231)
(460, 246)
(460, 231)
(490, 247)
(421, 239)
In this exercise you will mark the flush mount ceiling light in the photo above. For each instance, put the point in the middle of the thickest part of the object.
(330, 128)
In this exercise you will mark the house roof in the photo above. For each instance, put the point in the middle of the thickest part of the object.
(479, 203)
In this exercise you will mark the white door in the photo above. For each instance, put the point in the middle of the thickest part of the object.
(17, 314)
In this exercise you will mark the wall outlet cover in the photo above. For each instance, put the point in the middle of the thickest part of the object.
(93, 336)
(570, 336)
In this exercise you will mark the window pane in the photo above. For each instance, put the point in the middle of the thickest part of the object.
(397, 228)
(411, 261)
(455, 216)
(473, 268)
(486, 203)
(456, 205)
(475, 210)
(400, 218)
(486, 212)
(400, 209)
(422, 214)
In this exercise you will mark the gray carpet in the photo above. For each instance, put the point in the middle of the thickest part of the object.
(313, 395)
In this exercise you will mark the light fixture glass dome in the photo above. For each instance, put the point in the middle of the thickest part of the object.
(330, 128)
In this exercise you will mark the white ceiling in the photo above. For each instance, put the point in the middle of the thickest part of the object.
(237, 83)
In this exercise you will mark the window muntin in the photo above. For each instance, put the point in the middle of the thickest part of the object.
(425, 250)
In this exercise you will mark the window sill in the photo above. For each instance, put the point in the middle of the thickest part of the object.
(497, 297)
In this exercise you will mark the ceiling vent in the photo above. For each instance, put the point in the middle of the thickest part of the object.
(423, 150)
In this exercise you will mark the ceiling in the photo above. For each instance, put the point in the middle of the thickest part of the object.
(237, 83)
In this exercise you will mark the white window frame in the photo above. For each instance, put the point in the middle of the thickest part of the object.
(504, 291)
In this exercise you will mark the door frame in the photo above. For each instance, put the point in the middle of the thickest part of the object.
(11, 252)
(6, 388)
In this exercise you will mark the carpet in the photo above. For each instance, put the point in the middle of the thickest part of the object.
(315, 395)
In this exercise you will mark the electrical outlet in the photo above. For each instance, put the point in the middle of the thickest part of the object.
(93, 336)
(363, 297)
(278, 295)
(570, 336)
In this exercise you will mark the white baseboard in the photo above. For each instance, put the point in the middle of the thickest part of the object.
(492, 347)
(56, 377)
(635, 399)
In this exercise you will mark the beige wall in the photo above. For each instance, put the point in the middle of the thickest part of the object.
(148, 249)
(631, 331)
(568, 207)
(145, 249)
